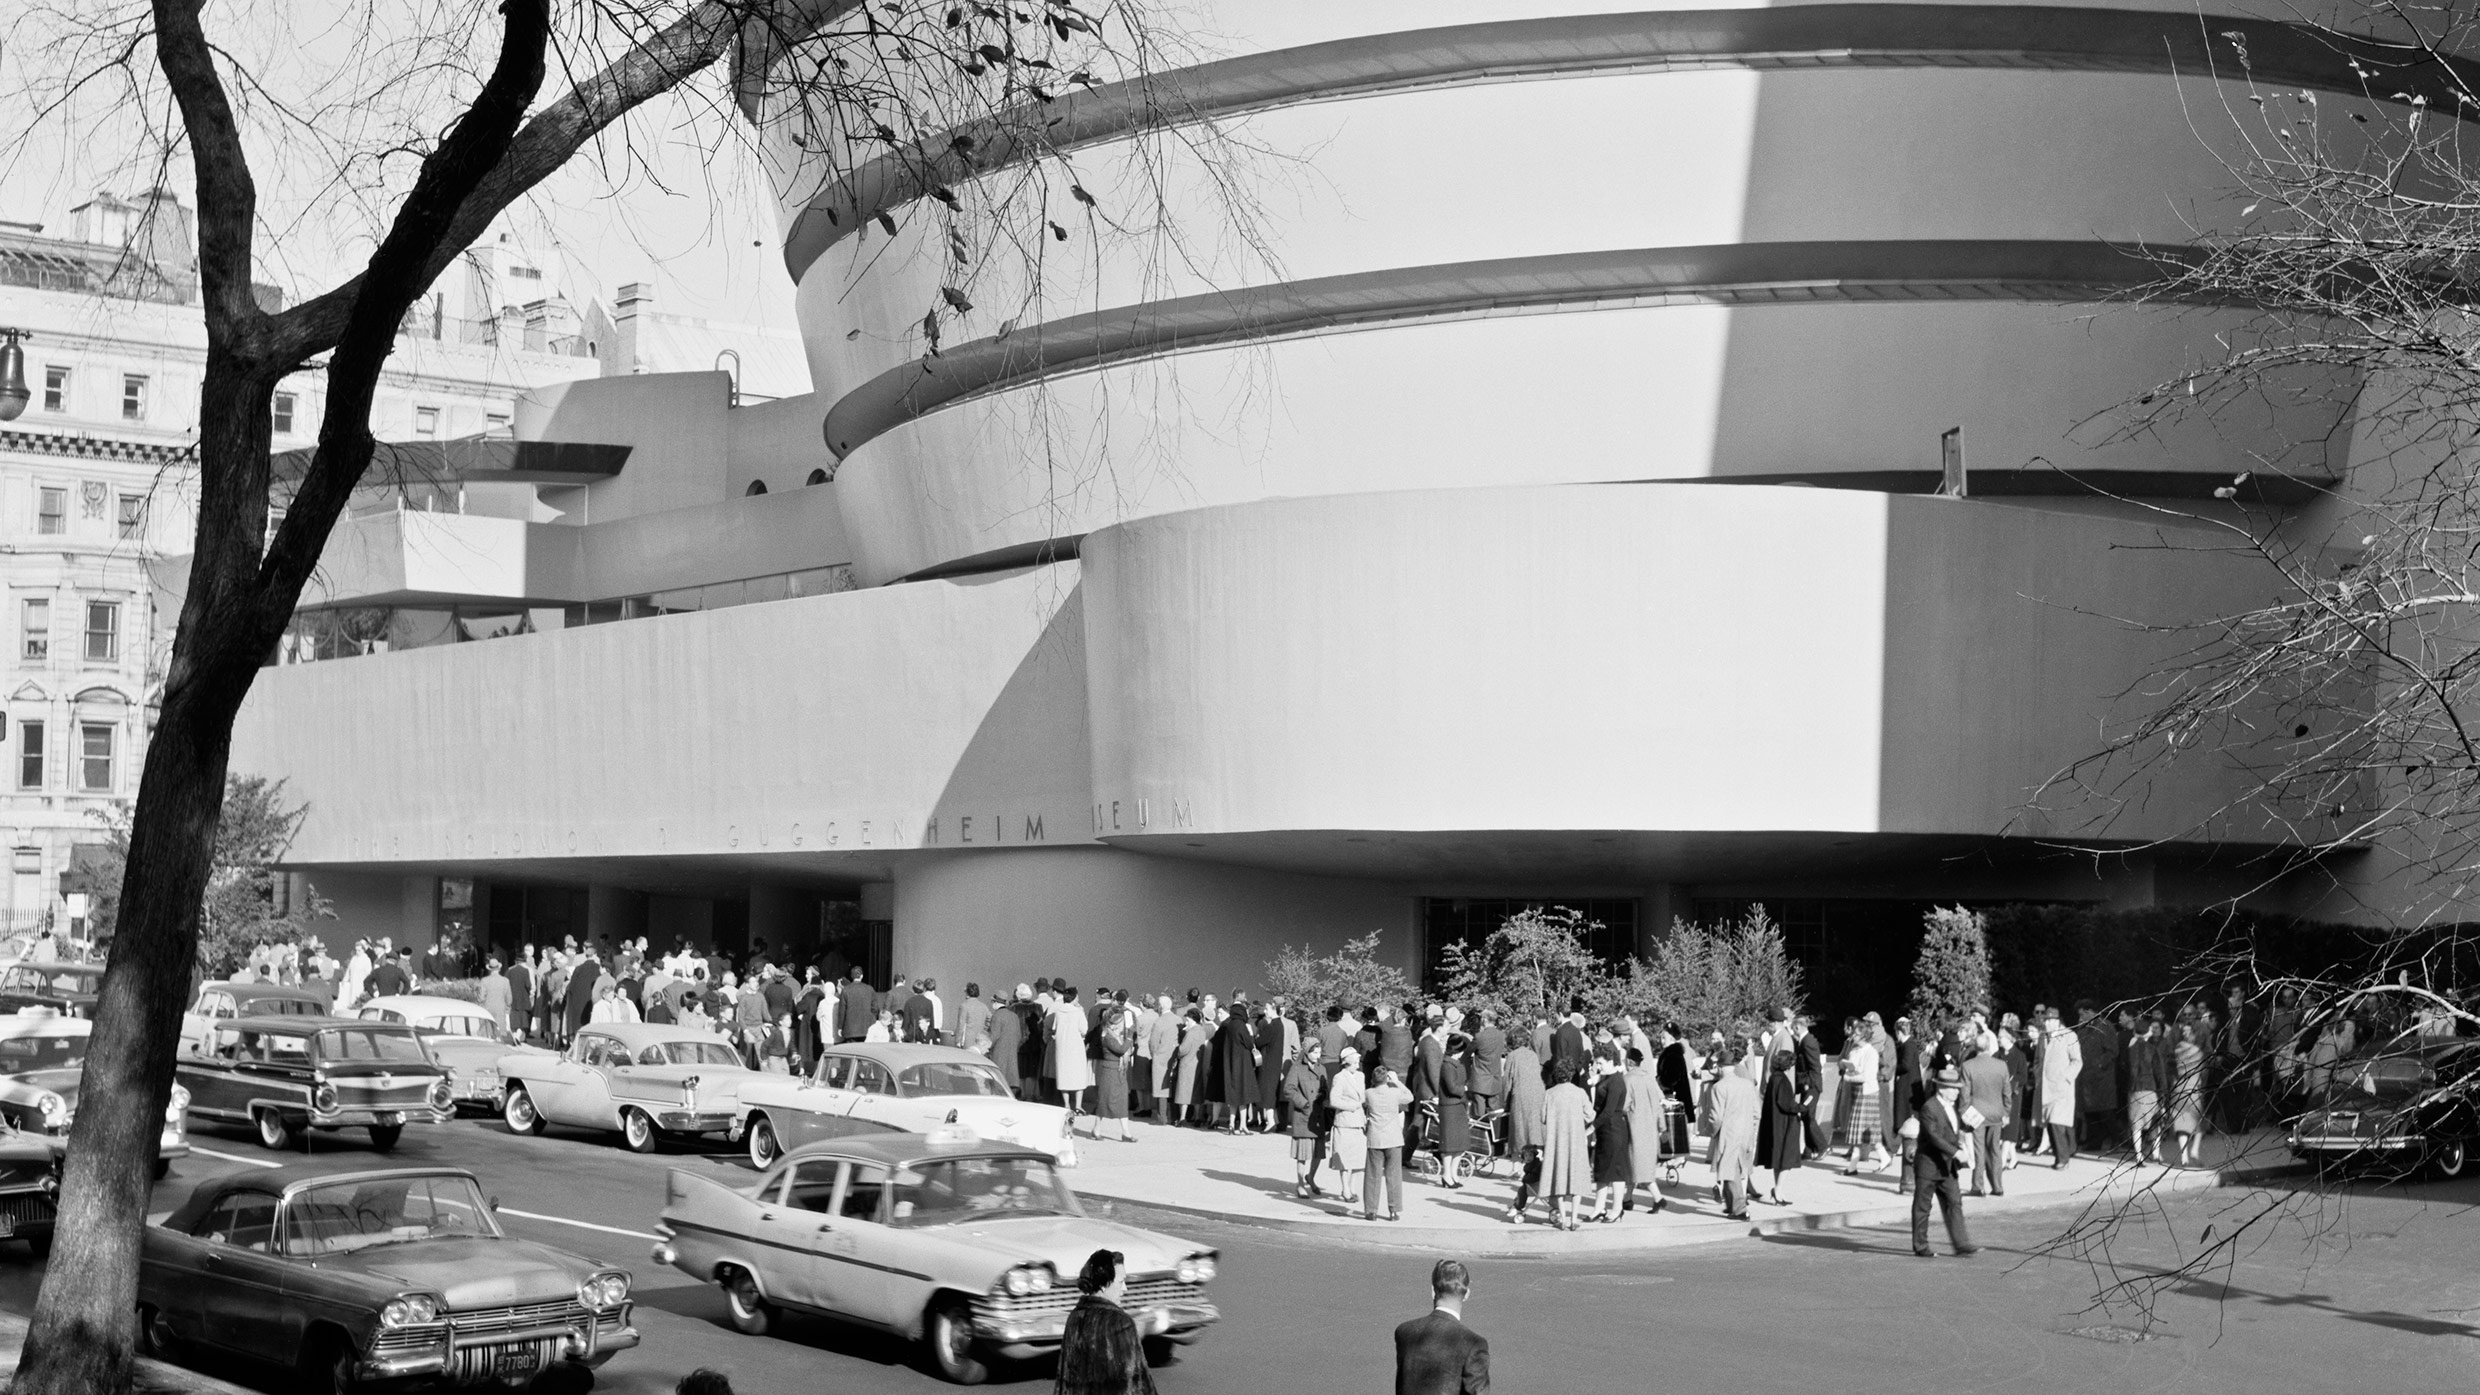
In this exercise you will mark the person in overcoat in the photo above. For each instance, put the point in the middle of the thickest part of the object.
(1454, 1110)
(1101, 1352)
(1524, 1100)
(1188, 1064)
(1304, 1088)
(2062, 1060)
(1268, 1039)
(1778, 1133)
(1162, 1048)
(1647, 1112)
(1732, 1113)
(1231, 1084)
(1348, 1123)
(1904, 1095)
(1007, 1044)
(1944, 1151)
(1670, 1071)
(1064, 1060)
(1614, 1160)
(1566, 1148)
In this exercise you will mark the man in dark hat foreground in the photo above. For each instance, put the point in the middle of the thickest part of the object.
(1943, 1151)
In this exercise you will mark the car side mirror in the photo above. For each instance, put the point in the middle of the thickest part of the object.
(494, 1205)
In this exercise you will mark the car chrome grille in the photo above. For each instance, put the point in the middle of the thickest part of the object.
(482, 1323)
(20, 1212)
(402, 1094)
(1148, 1292)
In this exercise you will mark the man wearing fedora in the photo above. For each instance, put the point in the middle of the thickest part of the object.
(1943, 1155)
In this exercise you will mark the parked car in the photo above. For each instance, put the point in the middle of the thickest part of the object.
(291, 1075)
(41, 1061)
(67, 989)
(29, 1187)
(463, 1037)
(219, 1003)
(640, 1080)
(357, 1277)
(2398, 1107)
(241, 999)
(874, 1087)
(970, 1245)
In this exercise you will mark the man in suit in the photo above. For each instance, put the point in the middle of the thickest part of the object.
(1906, 1096)
(1569, 1051)
(1808, 1077)
(1438, 1354)
(578, 1000)
(393, 976)
(1940, 1159)
(1394, 1040)
(856, 1007)
(1989, 1088)
(1670, 1071)
(521, 994)
(1429, 1062)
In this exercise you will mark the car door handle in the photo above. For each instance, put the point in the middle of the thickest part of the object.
(825, 1226)
(766, 1215)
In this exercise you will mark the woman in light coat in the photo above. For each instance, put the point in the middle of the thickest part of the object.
(1069, 1065)
(1734, 1157)
(1566, 1148)
(2062, 1060)
(1185, 1063)
(1348, 1142)
(1645, 1110)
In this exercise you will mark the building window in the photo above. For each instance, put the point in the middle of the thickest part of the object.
(55, 389)
(283, 414)
(51, 510)
(26, 862)
(133, 397)
(103, 632)
(133, 516)
(30, 755)
(426, 421)
(495, 421)
(35, 619)
(95, 757)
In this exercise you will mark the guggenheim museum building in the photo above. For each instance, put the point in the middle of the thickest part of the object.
(1653, 461)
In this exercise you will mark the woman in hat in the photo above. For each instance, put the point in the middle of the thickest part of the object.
(1348, 1123)
(1778, 1133)
(1101, 1351)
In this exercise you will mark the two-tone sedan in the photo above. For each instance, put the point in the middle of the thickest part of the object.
(968, 1245)
(222, 1002)
(463, 1037)
(67, 989)
(360, 1277)
(640, 1080)
(42, 1060)
(877, 1087)
(2406, 1105)
(290, 1076)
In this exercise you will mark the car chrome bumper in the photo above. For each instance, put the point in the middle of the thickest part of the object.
(380, 1118)
(592, 1346)
(690, 1121)
(2337, 1143)
(1018, 1337)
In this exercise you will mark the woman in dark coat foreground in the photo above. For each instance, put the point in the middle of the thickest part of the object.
(1101, 1353)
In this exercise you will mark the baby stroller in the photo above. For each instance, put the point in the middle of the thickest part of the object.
(1476, 1159)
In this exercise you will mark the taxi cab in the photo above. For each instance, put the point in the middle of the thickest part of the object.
(968, 1245)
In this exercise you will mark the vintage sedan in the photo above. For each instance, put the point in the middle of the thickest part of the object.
(219, 1003)
(463, 1037)
(67, 989)
(970, 1245)
(2406, 1105)
(875, 1087)
(42, 1059)
(29, 1186)
(360, 1277)
(291, 1076)
(640, 1080)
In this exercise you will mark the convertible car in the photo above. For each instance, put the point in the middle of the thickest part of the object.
(463, 1037)
(640, 1080)
(41, 1060)
(358, 1277)
(971, 1246)
(290, 1075)
(876, 1087)
(2403, 1106)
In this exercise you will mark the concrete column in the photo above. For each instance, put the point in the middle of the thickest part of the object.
(1662, 905)
(783, 917)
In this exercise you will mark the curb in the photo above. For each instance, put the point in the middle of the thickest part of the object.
(151, 1377)
(1542, 1240)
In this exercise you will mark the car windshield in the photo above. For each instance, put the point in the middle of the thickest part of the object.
(21, 1054)
(950, 1078)
(689, 1053)
(348, 1044)
(54, 981)
(343, 1216)
(948, 1190)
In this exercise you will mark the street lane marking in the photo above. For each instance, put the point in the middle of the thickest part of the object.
(581, 1225)
(231, 1157)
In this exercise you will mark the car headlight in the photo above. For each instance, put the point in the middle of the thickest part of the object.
(412, 1310)
(1030, 1278)
(55, 1109)
(604, 1291)
(443, 1095)
(178, 1107)
(324, 1098)
(1198, 1269)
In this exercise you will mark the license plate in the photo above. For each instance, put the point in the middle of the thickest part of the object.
(390, 1117)
(515, 1360)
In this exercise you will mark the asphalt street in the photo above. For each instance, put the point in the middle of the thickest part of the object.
(2369, 1289)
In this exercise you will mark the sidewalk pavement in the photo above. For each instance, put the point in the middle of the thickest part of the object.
(153, 1378)
(1249, 1181)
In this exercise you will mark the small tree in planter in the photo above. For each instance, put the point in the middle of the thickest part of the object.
(1951, 977)
(1351, 976)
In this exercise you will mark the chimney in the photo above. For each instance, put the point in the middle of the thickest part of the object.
(619, 353)
(163, 231)
(104, 221)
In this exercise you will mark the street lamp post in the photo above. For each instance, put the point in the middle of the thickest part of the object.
(13, 395)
